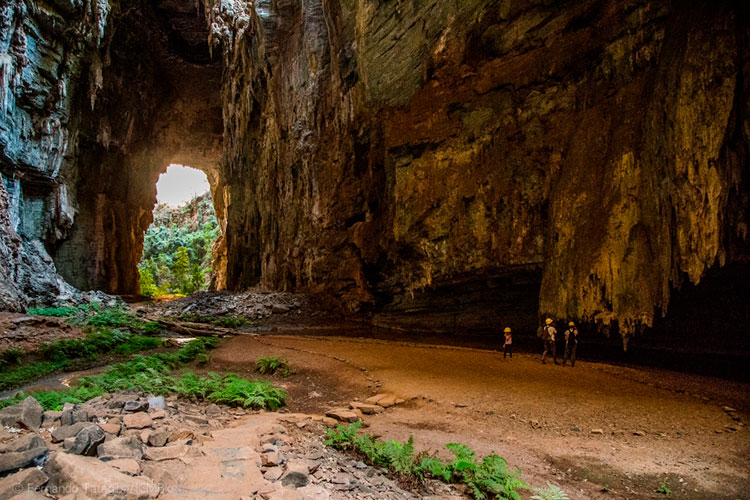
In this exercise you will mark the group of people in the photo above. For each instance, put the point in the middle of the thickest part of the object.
(549, 333)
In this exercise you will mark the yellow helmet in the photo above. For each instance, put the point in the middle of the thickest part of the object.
(548, 321)
(507, 329)
(571, 324)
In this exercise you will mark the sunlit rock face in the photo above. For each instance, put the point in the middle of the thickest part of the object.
(576, 159)
(438, 164)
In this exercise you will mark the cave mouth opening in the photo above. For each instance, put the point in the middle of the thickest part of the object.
(177, 255)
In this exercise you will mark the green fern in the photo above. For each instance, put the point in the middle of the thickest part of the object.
(551, 492)
(341, 436)
(273, 364)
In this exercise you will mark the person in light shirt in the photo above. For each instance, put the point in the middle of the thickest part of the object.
(548, 335)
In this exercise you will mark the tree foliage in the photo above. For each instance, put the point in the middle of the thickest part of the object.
(177, 254)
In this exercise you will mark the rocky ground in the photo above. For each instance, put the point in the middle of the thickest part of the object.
(131, 446)
(19, 331)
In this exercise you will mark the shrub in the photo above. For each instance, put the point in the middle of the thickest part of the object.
(273, 364)
(236, 391)
(489, 477)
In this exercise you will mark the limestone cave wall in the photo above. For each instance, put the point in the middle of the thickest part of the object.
(432, 163)
(394, 152)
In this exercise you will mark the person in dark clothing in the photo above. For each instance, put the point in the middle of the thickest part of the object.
(508, 345)
(548, 335)
(571, 342)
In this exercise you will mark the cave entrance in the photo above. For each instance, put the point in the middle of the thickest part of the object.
(177, 257)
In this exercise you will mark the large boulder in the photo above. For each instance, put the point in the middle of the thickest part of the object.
(95, 479)
(21, 452)
(25, 480)
(68, 431)
(26, 414)
(123, 447)
(87, 440)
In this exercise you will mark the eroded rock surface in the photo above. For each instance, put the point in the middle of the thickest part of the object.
(438, 163)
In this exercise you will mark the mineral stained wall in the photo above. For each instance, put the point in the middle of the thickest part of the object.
(427, 161)
(582, 158)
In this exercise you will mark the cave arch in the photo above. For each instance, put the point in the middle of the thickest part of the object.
(154, 101)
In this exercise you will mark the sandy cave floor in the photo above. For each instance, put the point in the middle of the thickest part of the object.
(544, 419)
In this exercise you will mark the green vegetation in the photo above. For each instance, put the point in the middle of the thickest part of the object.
(95, 315)
(273, 364)
(663, 489)
(11, 356)
(18, 376)
(488, 477)
(59, 354)
(153, 374)
(58, 312)
(94, 344)
(550, 492)
(177, 255)
(226, 322)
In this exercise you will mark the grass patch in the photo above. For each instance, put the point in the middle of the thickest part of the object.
(57, 312)
(100, 341)
(488, 477)
(58, 355)
(23, 374)
(153, 374)
(273, 364)
(95, 315)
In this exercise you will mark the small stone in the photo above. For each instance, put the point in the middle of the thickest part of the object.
(135, 406)
(158, 438)
(597, 431)
(387, 401)
(728, 409)
(342, 478)
(367, 409)
(640, 433)
(295, 479)
(342, 415)
(535, 424)
(157, 402)
(122, 447)
(113, 429)
(328, 421)
(273, 474)
(270, 459)
(213, 410)
(138, 420)
(165, 453)
(157, 413)
(129, 466)
(195, 419)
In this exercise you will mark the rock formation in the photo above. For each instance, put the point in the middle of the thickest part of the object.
(435, 163)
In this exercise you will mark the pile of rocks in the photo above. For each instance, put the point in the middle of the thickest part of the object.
(136, 446)
(252, 305)
(358, 409)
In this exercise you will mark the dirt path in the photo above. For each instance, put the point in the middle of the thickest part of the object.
(600, 431)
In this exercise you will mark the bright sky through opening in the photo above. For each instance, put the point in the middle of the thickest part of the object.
(180, 184)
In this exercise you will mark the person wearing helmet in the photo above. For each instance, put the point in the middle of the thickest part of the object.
(508, 345)
(548, 336)
(571, 342)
